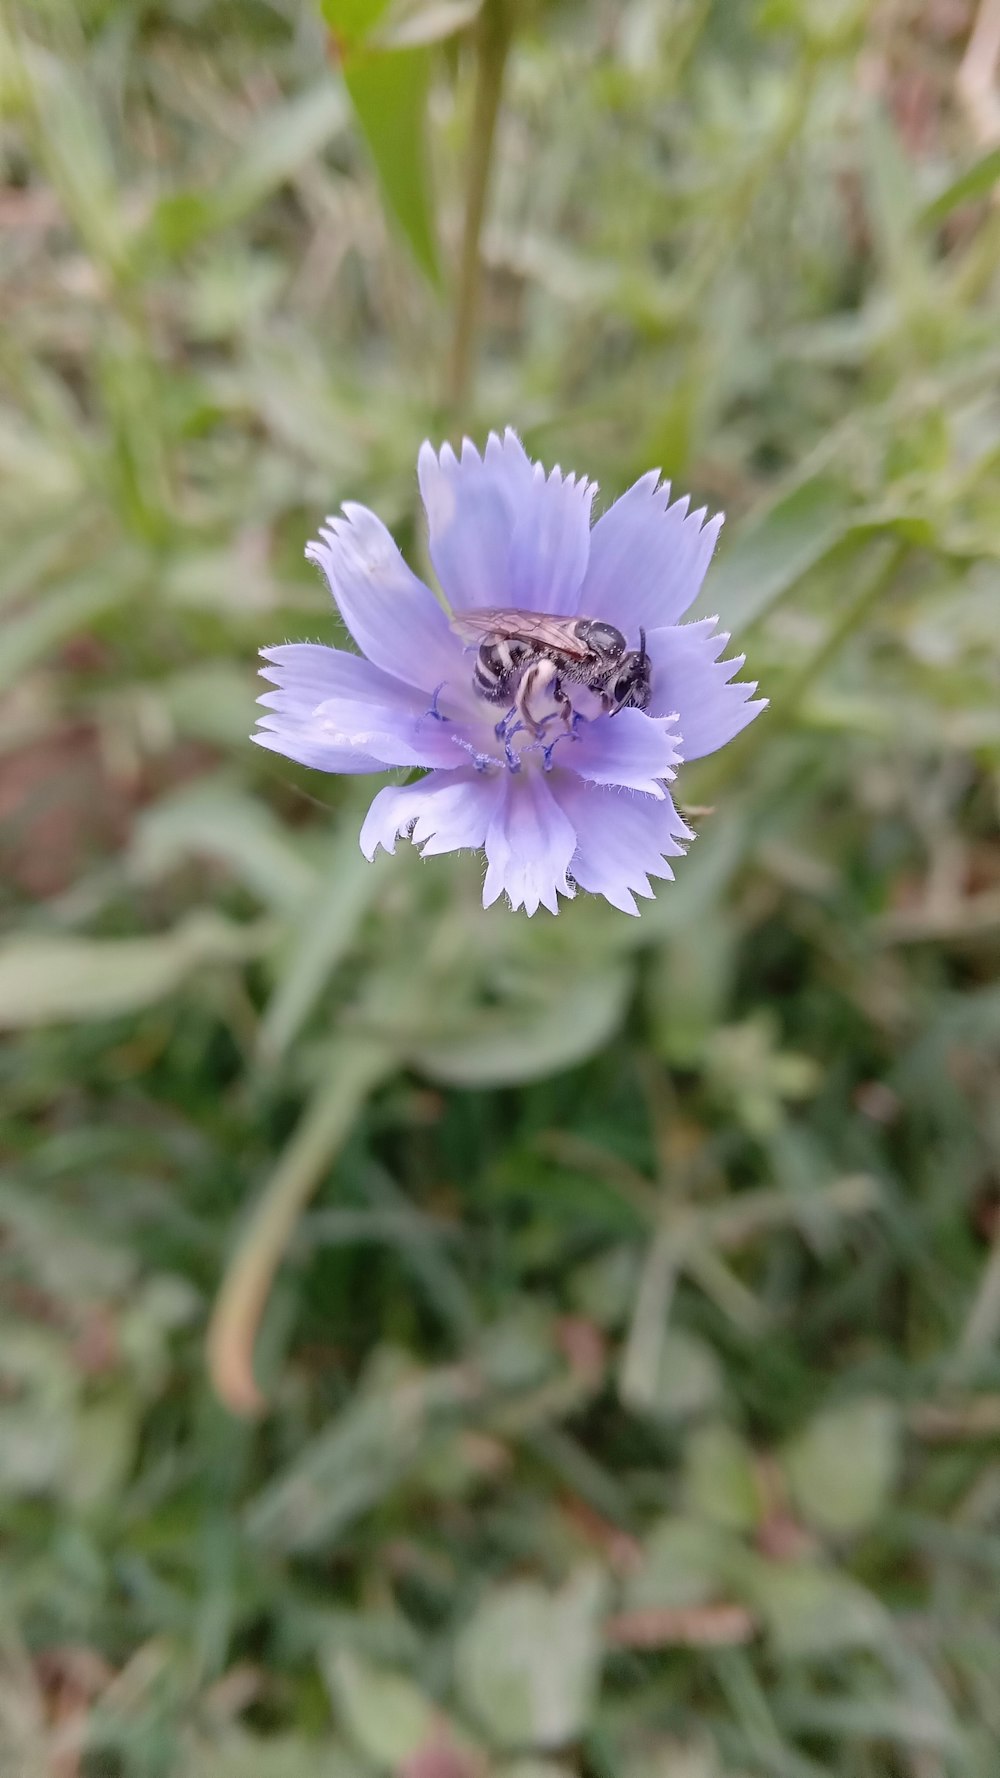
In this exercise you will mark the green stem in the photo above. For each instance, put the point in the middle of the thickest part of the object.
(356, 1069)
(492, 46)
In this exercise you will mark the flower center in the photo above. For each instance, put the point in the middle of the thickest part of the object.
(548, 681)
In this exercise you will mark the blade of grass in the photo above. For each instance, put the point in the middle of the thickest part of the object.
(355, 1069)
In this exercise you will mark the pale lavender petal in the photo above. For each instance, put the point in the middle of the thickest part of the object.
(383, 731)
(551, 542)
(689, 677)
(471, 505)
(629, 749)
(446, 813)
(306, 750)
(622, 839)
(310, 673)
(647, 559)
(327, 699)
(394, 619)
(502, 533)
(529, 843)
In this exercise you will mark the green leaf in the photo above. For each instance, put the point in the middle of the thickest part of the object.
(384, 1713)
(527, 1663)
(321, 937)
(389, 92)
(604, 1287)
(841, 1468)
(207, 702)
(29, 636)
(667, 1756)
(353, 21)
(688, 988)
(534, 1768)
(527, 1042)
(775, 550)
(287, 136)
(53, 979)
(891, 194)
(360, 1457)
(238, 1755)
(814, 1611)
(38, 1398)
(975, 182)
(685, 1561)
(686, 1378)
(74, 145)
(216, 820)
(387, 74)
(105, 1436)
(719, 1480)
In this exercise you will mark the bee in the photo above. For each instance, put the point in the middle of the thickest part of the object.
(526, 657)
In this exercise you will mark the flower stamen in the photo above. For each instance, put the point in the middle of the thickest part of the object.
(481, 761)
(433, 710)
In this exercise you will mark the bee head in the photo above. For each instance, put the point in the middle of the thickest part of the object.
(629, 687)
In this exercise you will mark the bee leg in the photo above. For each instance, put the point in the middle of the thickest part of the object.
(564, 714)
(520, 710)
(566, 733)
(541, 678)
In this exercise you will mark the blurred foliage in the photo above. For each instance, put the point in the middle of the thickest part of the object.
(633, 1400)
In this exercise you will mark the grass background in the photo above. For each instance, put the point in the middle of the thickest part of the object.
(623, 1296)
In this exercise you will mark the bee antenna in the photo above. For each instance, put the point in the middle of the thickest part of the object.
(642, 643)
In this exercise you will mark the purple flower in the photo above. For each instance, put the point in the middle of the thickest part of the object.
(566, 789)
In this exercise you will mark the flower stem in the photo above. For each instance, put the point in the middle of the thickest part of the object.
(492, 46)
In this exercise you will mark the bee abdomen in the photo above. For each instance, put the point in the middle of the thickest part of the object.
(498, 668)
(492, 685)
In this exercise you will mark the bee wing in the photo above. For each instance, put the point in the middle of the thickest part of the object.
(475, 626)
(509, 624)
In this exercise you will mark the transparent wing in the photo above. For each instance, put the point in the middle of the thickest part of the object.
(541, 628)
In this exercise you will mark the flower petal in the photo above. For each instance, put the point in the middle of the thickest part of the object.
(309, 673)
(445, 813)
(529, 843)
(471, 506)
(688, 676)
(383, 731)
(622, 839)
(394, 619)
(647, 559)
(329, 700)
(501, 532)
(322, 755)
(551, 542)
(630, 749)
